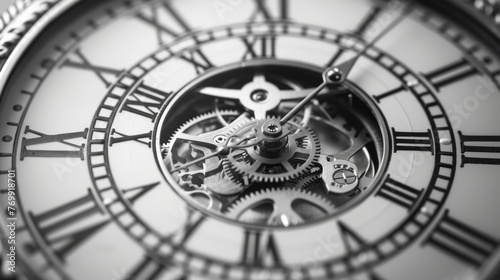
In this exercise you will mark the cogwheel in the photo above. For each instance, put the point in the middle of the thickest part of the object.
(184, 147)
(305, 182)
(234, 176)
(197, 122)
(301, 152)
(280, 207)
(177, 150)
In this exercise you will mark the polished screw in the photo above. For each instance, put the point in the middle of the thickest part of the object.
(344, 177)
(259, 95)
(220, 139)
(335, 75)
(272, 128)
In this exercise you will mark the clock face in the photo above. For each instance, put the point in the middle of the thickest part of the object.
(229, 140)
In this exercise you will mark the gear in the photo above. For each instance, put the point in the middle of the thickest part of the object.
(209, 173)
(231, 173)
(197, 126)
(300, 152)
(306, 183)
(280, 207)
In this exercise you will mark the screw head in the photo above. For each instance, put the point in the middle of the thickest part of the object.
(259, 95)
(335, 75)
(272, 128)
(220, 139)
(344, 177)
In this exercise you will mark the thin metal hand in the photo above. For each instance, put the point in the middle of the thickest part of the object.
(345, 68)
(338, 74)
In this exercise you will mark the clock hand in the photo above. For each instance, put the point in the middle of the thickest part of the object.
(329, 76)
(261, 96)
(345, 68)
(235, 94)
(338, 74)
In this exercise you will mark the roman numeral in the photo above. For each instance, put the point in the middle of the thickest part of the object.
(389, 93)
(199, 61)
(99, 71)
(450, 73)
(462, 241)
(262, 47)
(144, 138)
(193, 222)
(413, 141)
(335, 57)
(484, 146)
(79, 211)
(162, 29)
(263, 10)
(399, 193)
(197, 58)
(374, 276)
(134, 194)
(83, 216)
(368, 20)
(145, 101)
(147, 269)
(73, 150)
(352, 241)
(260, 249)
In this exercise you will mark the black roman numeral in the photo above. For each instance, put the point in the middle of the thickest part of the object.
(483, 146)
(368, 20)
(262, 47)
(145, 101)
(335, 57)
(365, 24)
(134, 194)
(199, 61)
(99, 71)
(197, 58)
(352, 241)
(374, 276)
(82, 215)
(399, 193)
(147, 269)
(79, 211)
(263, 10)
(389, 93)
(73, 151)
(162, 29)
(451, 73)
(144, 138)
(462, 241)
(193, 222)
(260, 249)
(413, 141)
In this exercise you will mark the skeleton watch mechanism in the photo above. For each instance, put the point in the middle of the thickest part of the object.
(233, 157)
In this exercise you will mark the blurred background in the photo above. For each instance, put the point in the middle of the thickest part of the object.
(5, 3)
